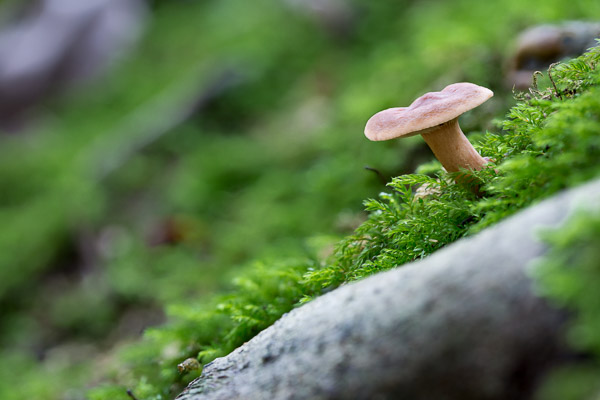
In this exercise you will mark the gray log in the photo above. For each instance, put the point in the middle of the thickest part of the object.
(464, 324)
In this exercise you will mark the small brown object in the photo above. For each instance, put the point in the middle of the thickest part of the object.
(435, 117)
(188, 365)
(541, 45)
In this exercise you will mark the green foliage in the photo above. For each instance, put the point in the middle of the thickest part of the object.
(569, 275)
(400, 228)
(576, 382)
(109, 204)
(212, 329)
(556, 138)
(64, 366)
(548, 144)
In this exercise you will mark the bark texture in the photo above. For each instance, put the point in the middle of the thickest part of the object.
(464, 323)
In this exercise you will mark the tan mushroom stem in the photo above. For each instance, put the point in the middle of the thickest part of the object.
(452, 148)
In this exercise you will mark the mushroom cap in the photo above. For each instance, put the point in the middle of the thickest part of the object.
(426, 112)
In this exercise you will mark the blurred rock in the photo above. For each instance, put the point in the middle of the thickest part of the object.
(54, 44)
(540, 46)
(336, 16)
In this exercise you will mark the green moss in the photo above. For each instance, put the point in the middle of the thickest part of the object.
(548, 144)
(211, 329)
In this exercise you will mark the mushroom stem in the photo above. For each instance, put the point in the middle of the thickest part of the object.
(452, 148)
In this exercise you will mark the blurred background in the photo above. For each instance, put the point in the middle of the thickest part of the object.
(151, 149)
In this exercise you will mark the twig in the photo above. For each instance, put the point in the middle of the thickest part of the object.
(130, 394)
(378, 173)
(552, 80)
(534, 84)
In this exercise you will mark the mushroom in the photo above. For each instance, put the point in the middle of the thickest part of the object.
(435, 117)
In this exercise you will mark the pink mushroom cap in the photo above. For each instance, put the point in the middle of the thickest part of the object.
(426, 112)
